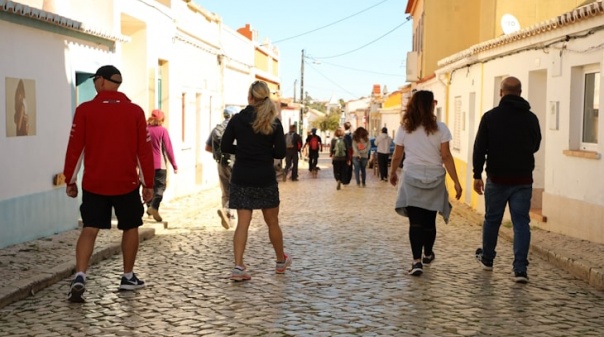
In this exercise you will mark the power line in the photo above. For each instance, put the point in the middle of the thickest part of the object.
(331, 24)
(362, 70)
(330, 80)
(363, 46)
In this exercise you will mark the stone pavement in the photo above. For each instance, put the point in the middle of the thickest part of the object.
(351, 254)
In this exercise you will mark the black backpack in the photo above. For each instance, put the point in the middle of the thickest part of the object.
(220, 157)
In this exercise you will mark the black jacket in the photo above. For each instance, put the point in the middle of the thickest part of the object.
(507, 138)
(254, 152)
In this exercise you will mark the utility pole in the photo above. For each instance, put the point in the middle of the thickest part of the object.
(295, 88)
(301, 96)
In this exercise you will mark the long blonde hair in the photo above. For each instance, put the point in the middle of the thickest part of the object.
(266, 112)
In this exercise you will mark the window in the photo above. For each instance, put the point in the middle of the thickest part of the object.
(591, 106)
(457, 123)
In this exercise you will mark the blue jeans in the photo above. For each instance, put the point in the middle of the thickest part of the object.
(359, 165)
(518, 197)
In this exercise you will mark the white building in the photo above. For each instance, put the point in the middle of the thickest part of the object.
(559, 64)
(173, 54)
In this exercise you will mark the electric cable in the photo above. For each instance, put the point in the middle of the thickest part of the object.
(331, 24)
(361, 47)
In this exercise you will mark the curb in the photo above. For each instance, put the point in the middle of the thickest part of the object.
(581, 269)
(30, 286)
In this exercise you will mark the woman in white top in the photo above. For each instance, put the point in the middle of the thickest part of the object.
(425, 143)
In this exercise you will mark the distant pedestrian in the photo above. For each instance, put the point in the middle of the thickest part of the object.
(313, 144)
(109, 136)
(508, 137)
(340, 156)
(224, 163)
(293, 146)
(162, 153)
(383, 142)
(259, 136)
(360, 154)
(424, 142)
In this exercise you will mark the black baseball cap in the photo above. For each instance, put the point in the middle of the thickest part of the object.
(106, 72)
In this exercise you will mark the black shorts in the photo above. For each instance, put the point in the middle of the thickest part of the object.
(96, 210)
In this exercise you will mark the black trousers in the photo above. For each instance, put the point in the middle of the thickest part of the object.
(383, 164)
(422, 231)
(159, 186)
(291, 161)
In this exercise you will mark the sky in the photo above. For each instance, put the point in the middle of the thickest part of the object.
(349, 45)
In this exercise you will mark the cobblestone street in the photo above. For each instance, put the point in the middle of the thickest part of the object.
(349, 278)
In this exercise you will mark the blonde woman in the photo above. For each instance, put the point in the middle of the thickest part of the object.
(259, 138)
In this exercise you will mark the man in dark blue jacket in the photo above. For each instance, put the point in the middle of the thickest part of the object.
(507, 139)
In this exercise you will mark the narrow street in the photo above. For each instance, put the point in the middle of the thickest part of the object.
(349, 278)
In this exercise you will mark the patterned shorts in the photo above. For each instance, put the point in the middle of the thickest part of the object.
(251, 197)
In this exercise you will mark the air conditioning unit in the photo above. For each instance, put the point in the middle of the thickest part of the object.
(412, 66)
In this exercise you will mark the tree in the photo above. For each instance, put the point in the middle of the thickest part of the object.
(329, 122)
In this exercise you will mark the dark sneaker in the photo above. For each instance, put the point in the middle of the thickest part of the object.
(416, 269)
(520, 277)
(486, 264)
(76, 290)
(427, 260)
(132, 283)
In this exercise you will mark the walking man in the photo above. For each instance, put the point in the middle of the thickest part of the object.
(383, 142)
(293, 144)
(224, 162)
(508, 137)
(109, 135)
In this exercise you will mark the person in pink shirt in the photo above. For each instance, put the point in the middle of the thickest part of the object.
(162, 153)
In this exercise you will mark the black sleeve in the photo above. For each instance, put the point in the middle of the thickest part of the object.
(480, 148)
(278, 141)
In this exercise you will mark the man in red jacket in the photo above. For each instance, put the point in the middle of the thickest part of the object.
(109, 134)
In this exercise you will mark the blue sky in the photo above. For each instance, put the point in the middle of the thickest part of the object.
(350, 45)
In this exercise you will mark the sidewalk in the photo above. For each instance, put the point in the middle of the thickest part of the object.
(28, 267)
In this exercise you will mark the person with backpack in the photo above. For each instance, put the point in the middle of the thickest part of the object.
(225, 166)
(314, 143)
(293, 145)
(339, 152)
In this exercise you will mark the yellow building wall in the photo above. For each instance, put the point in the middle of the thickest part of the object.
(454, 25)
(442, 17)
(261, 60)
(527, 12)
(275, 69)
(393, 100)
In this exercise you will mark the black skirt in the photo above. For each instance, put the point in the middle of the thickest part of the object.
(251, 197)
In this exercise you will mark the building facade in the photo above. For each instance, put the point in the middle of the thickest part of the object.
(559, 63)
(173, 54)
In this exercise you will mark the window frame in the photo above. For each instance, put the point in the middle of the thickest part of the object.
(591, 69)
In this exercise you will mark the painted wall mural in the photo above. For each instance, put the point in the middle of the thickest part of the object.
(20, 107)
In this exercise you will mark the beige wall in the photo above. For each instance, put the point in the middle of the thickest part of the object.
(575, 218)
